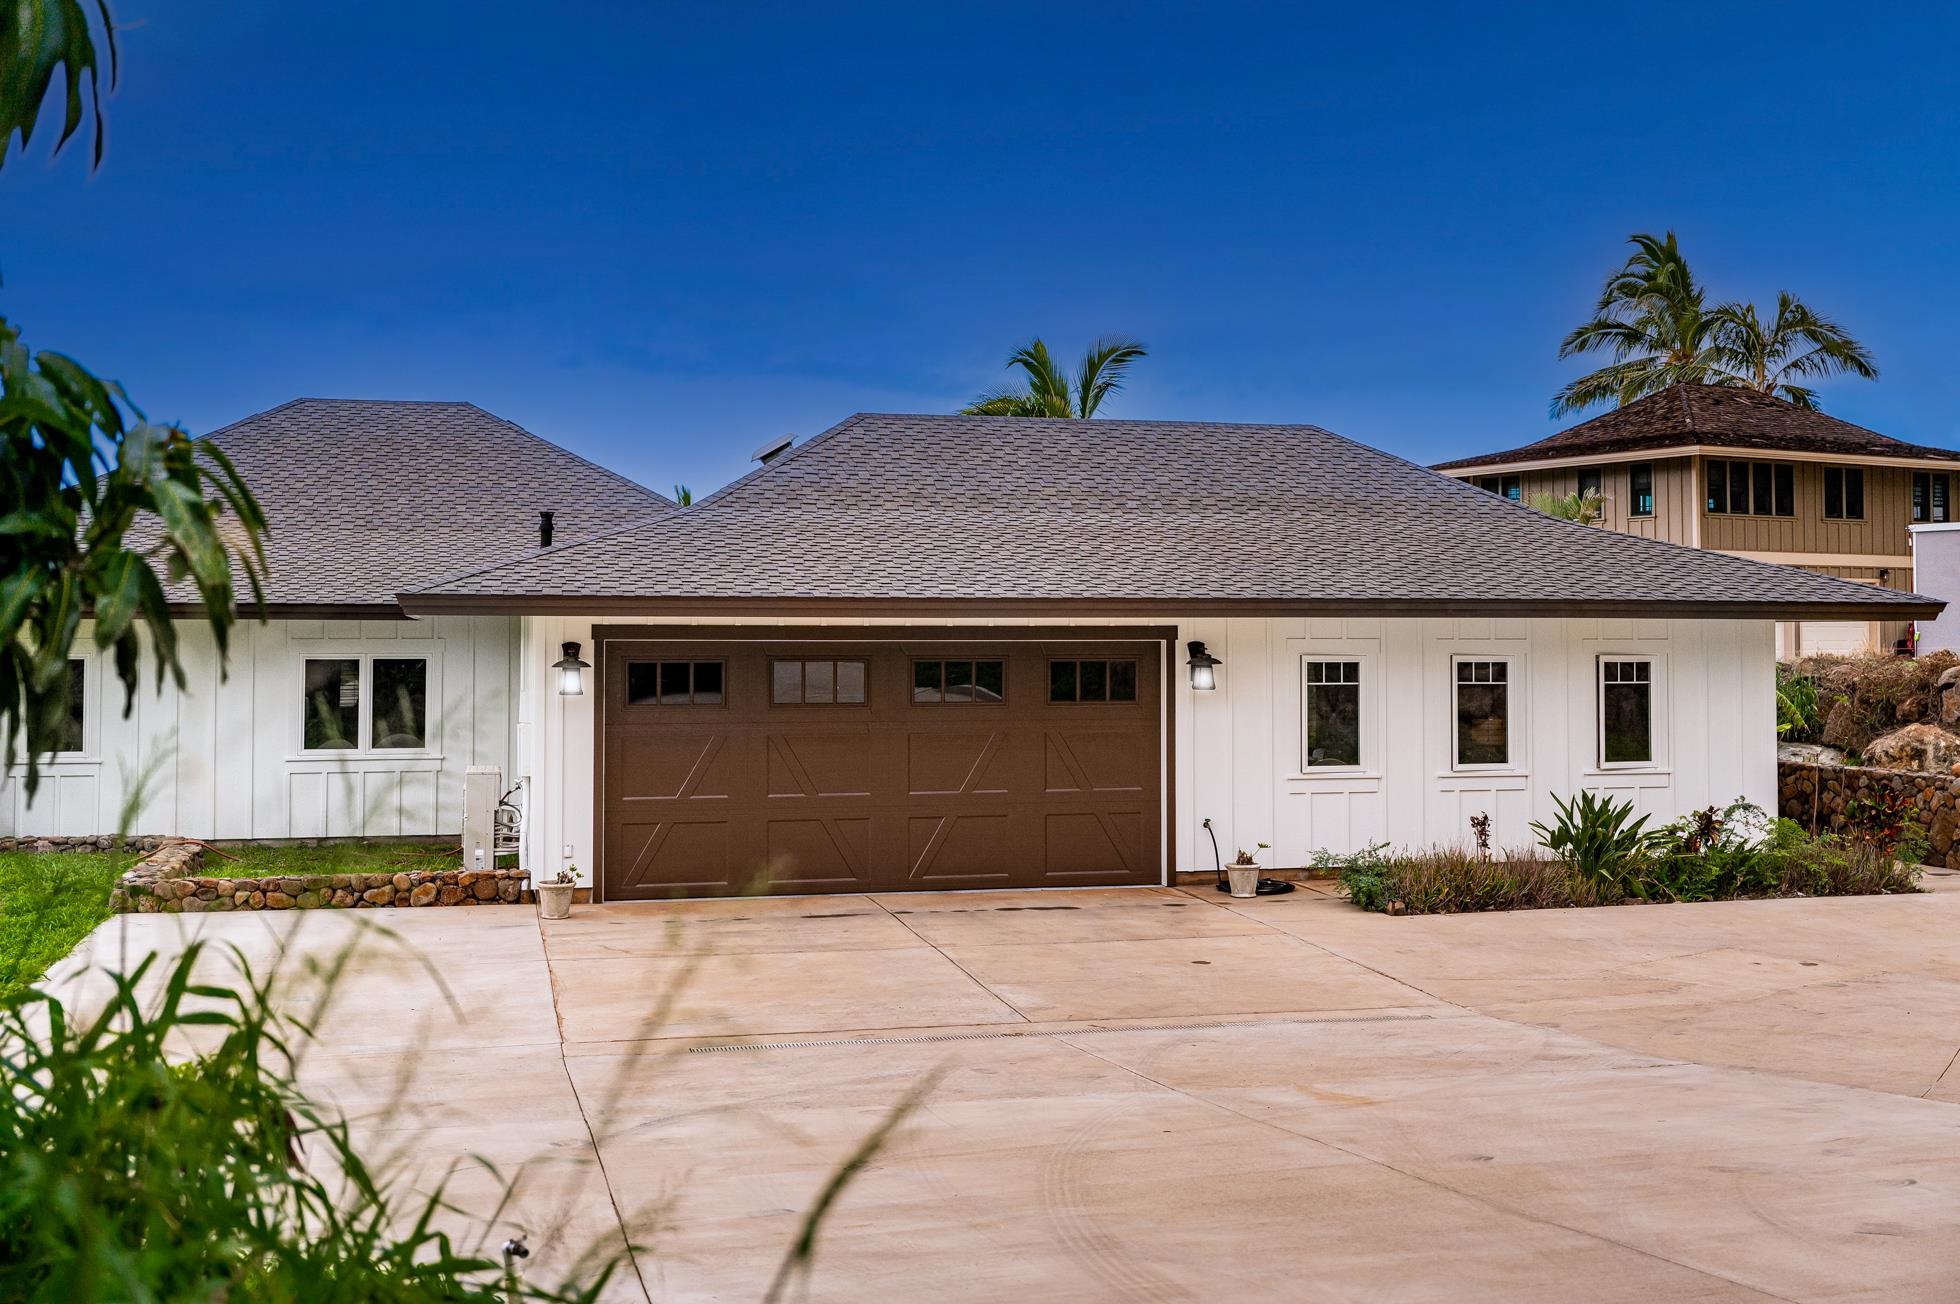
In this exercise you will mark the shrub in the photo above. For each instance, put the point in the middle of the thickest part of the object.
(1799, 712)
(1711, 855)
(1597, 836)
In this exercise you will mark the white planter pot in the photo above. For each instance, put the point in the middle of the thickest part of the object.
(1244, 880)
(554, 899)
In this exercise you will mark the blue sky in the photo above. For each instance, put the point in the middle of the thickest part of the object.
(661, 235)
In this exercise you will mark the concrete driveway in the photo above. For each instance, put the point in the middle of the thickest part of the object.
(1162, 1095)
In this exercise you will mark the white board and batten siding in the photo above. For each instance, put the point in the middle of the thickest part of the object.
(222, 758)
(1238, 751)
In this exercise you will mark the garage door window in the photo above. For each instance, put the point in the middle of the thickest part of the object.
(817, 683)
(674, 683)
(1092, 681)
(959, 681)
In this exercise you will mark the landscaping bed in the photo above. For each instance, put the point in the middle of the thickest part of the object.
(190, 877)
(1597, 854)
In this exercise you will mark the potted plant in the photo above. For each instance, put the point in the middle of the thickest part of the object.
(1243, 872)
(555, 893)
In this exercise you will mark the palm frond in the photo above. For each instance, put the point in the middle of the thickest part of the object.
(1104, 367)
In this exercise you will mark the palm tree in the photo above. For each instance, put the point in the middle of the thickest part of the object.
(1049, 392)
(1653, 320)
(1796, 343)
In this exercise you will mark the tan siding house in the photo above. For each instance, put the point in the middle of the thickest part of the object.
(1735, 471)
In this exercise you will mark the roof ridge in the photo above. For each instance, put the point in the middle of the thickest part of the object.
(576, 457)
(1687, 408)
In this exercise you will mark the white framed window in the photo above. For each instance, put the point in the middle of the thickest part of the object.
(1628, 704)
(365, 702)
(1332, 713)
(1484, 713)
(66, 734)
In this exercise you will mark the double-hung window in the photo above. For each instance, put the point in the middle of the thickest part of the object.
(1640, 489)
(365, 703)
(1932, 497)
(1844, 493)
(1330, 703)
(1626, 711)
(1482, 727)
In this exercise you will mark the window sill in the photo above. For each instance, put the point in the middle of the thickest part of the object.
(1330, 774)
(1496, 772)
(1628, 771)
(333, 756)
(59, 761)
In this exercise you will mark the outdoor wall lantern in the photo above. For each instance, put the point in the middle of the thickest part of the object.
(571, 678)
(1204, 676)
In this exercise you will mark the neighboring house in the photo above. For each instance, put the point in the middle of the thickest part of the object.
(339, 716)
(1736, 471)
(923, 652)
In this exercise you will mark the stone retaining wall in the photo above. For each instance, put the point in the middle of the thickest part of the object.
(102, 842)
(171, 880)
(1815, 796)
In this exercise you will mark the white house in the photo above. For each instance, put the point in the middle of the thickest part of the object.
(954, 652)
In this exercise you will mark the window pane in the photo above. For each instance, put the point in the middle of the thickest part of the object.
(959, 681)
(1122, 681)
(786, 682)
(673, 683)
(642, 682)
(850, 682)
(63, 732)
(1589, 481)
(1718, 486)
(1786, 489)
(818, 681)
(1061, 681)
(1483, 723)
(1761, 493)
(333, 704)
(401, 699)
(1626, 713)
(1334, 715)
(1640, 486)
(1514, 488)
(707, 683)
(1833, 493)
(989, 681)
(1920, 487)
(1094, 681)
(926, 680)
(1854, 493)
(1941, 491)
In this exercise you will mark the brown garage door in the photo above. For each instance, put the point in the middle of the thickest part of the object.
(842, 766)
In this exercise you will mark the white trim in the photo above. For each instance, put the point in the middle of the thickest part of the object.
(1656, 713)
(1367, 746)
(1698, 450)
(1872, 559)
(1514, 733)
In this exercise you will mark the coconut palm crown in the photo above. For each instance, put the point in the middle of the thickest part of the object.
(1653, 321)
(1050, 391)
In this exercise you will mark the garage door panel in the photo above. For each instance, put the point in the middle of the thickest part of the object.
(954, 849)
(823, 765)
(938, 764)
(1081, 760)
(961, 787)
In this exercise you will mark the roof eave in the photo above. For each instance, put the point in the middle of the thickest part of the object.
(1915, 607)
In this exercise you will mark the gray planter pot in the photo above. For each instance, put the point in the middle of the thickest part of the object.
(554, 899)
(1243, 879)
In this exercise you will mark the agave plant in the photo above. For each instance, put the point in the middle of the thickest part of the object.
(1598, 836)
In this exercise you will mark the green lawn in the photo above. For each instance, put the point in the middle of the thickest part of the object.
(256, 860)
(48, 903)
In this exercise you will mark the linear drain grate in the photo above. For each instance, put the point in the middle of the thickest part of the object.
(1010, 1034)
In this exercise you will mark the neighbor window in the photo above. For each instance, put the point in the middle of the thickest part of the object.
(1092, 681)
(1626, 711)
(959, 681)
(674, 683)
(1751, 488)
(63, 733)
(395, 689)
(1590, 481)
(1844, 493)
(1483, 712)
(1504, 486)
(1640, 489)
(1331, 704)
(824, 682)
(1932, 496)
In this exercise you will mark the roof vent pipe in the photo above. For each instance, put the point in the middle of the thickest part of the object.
(772, 450)
(544, 529)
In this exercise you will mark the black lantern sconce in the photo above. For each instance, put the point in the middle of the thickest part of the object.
(1204, 667)
(571, 676)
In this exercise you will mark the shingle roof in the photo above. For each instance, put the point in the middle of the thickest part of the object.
(909, 511)
(1686, 416)
(366, 498)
